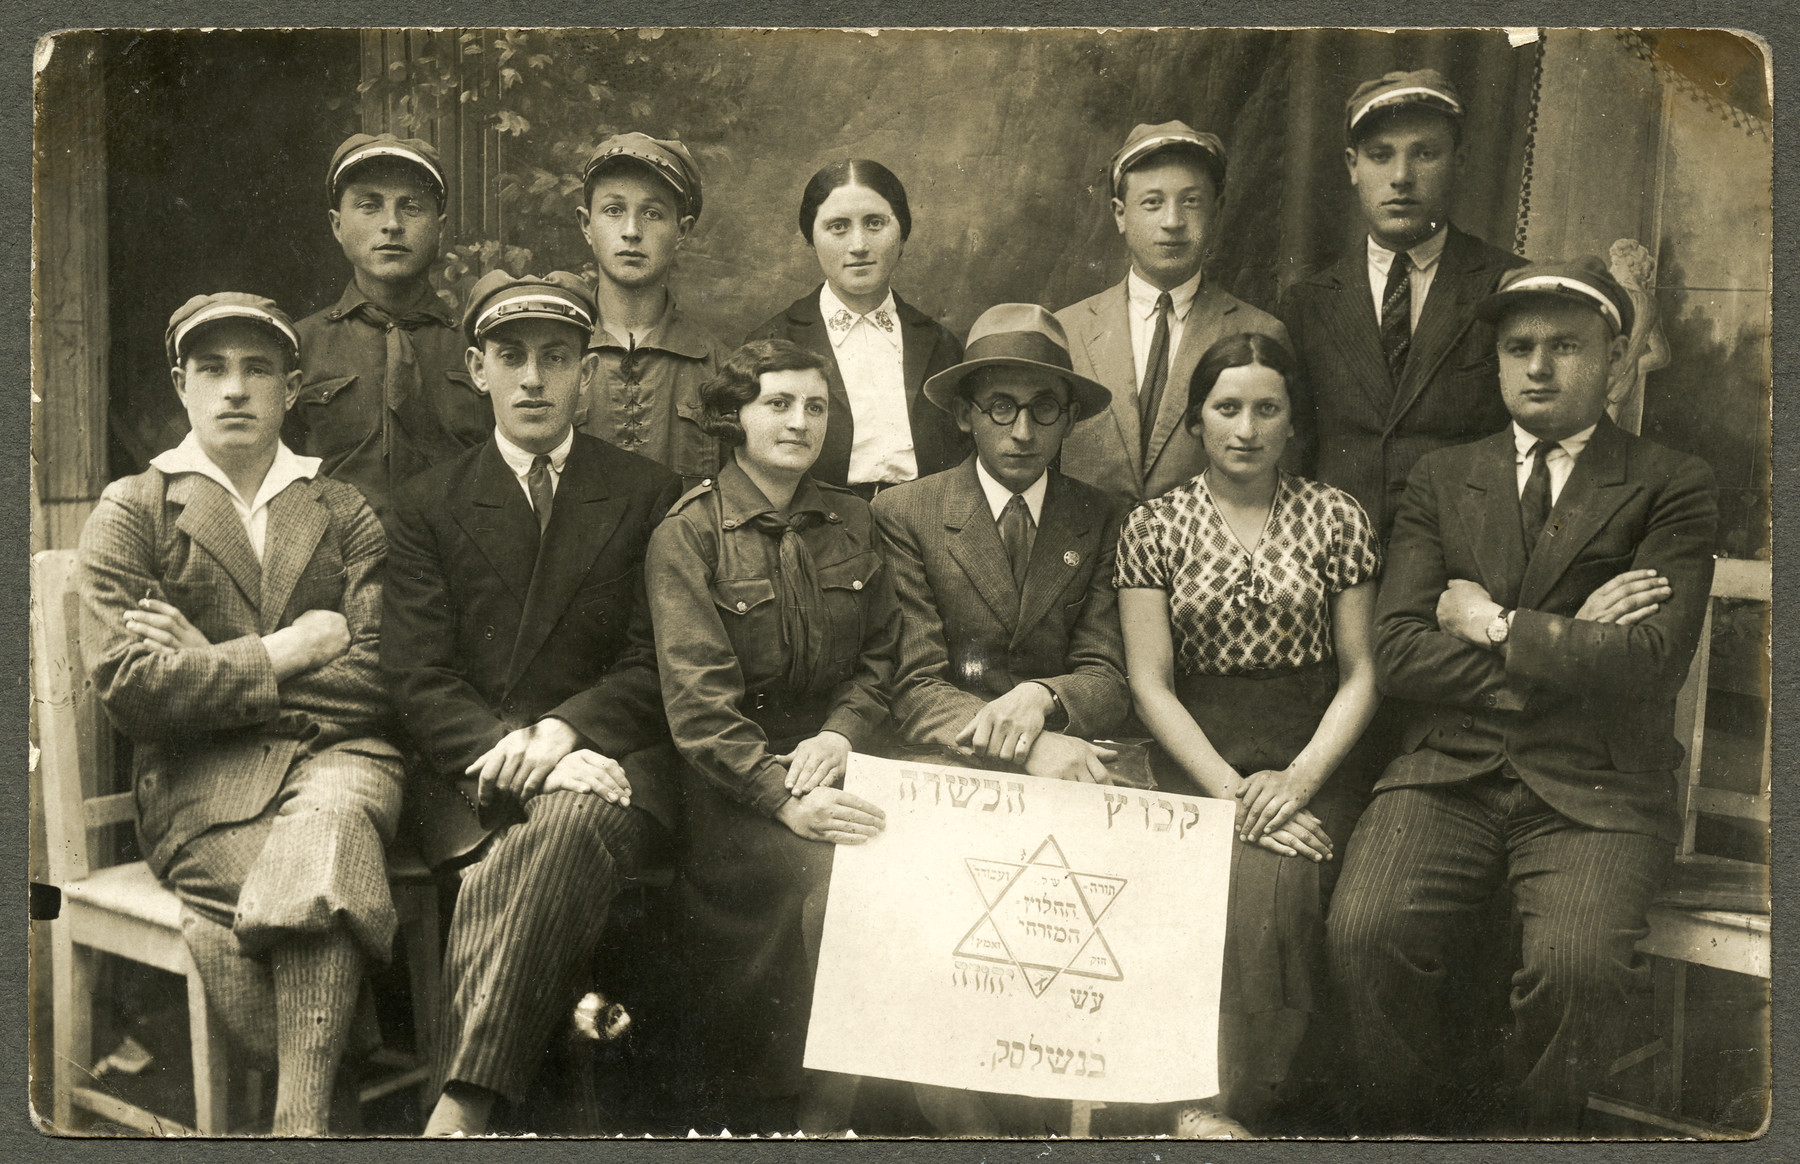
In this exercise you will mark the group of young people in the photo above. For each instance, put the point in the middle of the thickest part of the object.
(570, 593)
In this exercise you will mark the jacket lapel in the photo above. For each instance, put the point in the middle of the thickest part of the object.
(1593, 493)
(918, 334)
(974, 542)
(582, 520)
(1448, 313)
(1351, 330)
(1490, 516)
(1109, 346)
(297, 520)
(1061, 532)
(498, 519)
(1209, 317)
(806, 327)
(211, 522)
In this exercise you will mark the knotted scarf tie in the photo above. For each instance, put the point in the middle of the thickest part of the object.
(798, 596)
(404, 400)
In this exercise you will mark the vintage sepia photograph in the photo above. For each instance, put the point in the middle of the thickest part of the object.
(986, 583)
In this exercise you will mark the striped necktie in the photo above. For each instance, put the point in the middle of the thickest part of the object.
(1396, 315)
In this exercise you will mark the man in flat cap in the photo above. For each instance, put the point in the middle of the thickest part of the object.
(384, 394)
(231, 601)
(640, 199)
(1010, 644)
(1142, 337)
(1544, 594)
(517, 644)
(1393, 362)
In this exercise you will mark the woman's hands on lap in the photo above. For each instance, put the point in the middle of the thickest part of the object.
(831, 814)
(1268, 799)
(815, 762)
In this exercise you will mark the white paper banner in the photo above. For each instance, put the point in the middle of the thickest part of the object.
(1014, 934)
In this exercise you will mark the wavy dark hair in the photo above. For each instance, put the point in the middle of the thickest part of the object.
(739, 381)
(853, 172)
(1236, 351)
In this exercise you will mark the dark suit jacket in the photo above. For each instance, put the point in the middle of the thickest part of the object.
(1354, 428)
(1583, 711)
(214, 734)
(927, 348)
(477, 640)
(968, 635)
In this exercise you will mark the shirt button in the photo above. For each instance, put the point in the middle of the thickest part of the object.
(487, 632)
(831, 517)
(856, 585)
(509, 706)
(706, 482)
(742, 606)
(731, 524)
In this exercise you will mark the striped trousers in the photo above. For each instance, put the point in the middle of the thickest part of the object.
(528, 917)
(1420, 868)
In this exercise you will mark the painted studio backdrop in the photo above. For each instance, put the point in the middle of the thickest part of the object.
(175, 163)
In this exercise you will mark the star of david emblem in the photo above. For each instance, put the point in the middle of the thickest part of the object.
(1042, 917)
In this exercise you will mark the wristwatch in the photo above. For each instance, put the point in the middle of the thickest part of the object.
(1499, 627)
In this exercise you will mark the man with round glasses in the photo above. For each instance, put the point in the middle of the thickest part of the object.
(1010, 649)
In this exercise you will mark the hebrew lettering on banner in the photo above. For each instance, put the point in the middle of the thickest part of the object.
(1023, 935)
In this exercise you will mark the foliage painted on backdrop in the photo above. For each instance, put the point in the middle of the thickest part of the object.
(552, 95)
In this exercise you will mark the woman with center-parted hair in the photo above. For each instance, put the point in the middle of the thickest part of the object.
(776, 633)
(1247, 600)
(878, 349)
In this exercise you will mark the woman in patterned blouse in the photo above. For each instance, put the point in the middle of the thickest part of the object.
(1247, 598)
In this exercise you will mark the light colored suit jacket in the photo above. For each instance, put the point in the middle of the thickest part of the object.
(1107, 451)
(214, 734)
(1582, 711)
(968, 632)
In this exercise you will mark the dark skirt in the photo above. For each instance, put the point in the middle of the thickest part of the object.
(752, 901)
(1275, 925)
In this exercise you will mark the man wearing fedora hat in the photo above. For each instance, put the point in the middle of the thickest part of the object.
(1010, 646)
(231, 598)
(1393, 362)
(517, 642)
(1544, 594)
(1142, 337)
(384, 394)
(640, 198)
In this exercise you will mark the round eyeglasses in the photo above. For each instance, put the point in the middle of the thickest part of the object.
(1004, 410)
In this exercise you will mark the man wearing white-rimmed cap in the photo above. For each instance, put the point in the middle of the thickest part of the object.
(1544, 594)
(1010, 646)
(231, 599)
(1393, 362)
(1142, 337)
(384, 393)
(516, 639)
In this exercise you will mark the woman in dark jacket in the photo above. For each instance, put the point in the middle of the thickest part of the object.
(776, 634)
(878, 349)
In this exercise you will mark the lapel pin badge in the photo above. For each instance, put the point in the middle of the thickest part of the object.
(1071, 559)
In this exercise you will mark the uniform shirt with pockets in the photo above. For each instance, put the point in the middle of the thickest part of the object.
(341, 413)
(645, 398)
(710, 572)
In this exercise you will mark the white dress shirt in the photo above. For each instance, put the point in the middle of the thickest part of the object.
(1559, 461)
(1424, 258)
(519, 461)
(871, 357)
(1142, 295)
(998, 495)
(288, 467)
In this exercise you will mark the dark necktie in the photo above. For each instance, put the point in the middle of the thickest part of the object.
(403, 398)
(800, 600)
(537, 483)
(1156, 371)
(1534, 500)
(1015, 534)
(1396, 315)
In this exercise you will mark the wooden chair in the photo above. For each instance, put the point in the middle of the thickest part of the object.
(1715, 911)
(122, 910)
